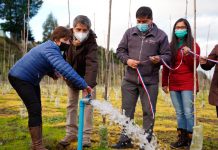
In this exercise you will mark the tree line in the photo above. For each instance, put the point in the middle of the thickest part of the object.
(14, 14)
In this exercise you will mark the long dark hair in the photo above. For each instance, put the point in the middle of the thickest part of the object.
(188, 39)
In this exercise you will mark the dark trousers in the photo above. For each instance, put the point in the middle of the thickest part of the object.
(130, 94)
(30, 95)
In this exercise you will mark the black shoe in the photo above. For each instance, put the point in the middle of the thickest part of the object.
(123, 145)
(87, 145)
(60, 146)
(149, 137)
(178, 145)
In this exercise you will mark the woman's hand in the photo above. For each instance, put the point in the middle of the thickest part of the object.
(87, 91)
(56, 75)
(186, 50)
(165, 89)
(203, 60)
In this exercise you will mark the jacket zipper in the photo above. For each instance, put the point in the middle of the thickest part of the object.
(142, 38)
(141, 48)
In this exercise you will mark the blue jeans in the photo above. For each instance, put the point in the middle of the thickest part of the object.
(183, 104)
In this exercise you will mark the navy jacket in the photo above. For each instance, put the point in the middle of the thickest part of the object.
(43, 60)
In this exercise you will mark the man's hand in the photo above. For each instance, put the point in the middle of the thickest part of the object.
(203, 60)
(76, 42)
(165, 89)
(155, 59)
(133, 63)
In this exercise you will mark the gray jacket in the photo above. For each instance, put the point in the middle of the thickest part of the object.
(135, 45)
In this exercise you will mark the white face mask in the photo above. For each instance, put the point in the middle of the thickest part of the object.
(81, 36)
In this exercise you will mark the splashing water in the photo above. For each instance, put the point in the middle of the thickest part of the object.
(132, 130)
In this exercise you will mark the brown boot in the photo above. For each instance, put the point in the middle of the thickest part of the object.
(36, 136)
(181, 140)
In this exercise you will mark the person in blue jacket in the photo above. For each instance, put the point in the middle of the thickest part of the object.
(26, 74)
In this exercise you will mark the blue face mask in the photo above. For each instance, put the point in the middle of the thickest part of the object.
(181, 33)
(143, 27)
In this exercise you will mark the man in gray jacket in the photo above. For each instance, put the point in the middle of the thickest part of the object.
(142, 47)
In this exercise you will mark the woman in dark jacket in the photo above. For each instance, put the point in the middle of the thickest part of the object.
(26, 74)
(207, 65)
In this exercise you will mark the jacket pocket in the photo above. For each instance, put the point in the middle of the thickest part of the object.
(131, 75)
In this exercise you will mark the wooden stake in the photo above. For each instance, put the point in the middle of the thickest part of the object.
(129, 21)
(195, 88)
(186, 9)
(107, 56)
(68, 12)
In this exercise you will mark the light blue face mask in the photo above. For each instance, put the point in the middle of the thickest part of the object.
(181, 33)
(143, 27)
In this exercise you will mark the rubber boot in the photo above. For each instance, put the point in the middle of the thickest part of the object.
(36, 136)
(189, 139)
(181, 140)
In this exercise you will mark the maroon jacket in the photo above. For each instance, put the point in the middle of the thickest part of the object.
(213, 95)
(83, 59)
(182, 78)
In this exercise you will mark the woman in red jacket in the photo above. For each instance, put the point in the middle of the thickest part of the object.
(180, 80)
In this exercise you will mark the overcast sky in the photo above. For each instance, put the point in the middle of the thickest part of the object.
(163, 10)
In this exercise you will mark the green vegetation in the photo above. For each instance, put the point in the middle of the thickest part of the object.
(48, 26)
(12, 13)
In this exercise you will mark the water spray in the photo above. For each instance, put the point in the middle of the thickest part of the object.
(132, 130)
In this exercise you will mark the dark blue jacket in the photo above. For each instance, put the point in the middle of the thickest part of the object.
(43, 60)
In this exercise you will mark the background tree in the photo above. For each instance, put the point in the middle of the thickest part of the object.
(48, 26)
(13, 12)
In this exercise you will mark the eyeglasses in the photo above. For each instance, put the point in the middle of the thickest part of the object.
(180, 27)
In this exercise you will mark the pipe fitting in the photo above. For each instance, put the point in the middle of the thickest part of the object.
(86, 101)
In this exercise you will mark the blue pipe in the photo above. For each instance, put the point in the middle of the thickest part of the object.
(82, 104)
(81, 124)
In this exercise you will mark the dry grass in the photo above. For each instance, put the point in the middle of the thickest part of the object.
(14, 132)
